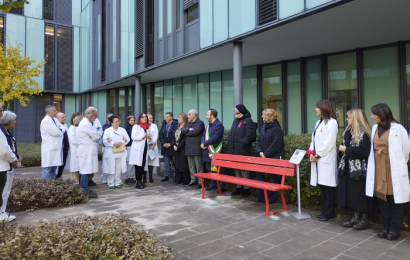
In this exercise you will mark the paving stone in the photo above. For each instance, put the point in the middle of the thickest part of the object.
(245, 236)
(177, 235)
(205, 250)
(281, 237)
(399, 249)
(367, 249)
(288, 249)
(307, 226)
(326, 250)
(260, 256)
(352, 237)
(182, 245)
(209, 236)
(247, 250)
(346, 257)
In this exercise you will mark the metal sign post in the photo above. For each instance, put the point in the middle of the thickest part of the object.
(296, 159)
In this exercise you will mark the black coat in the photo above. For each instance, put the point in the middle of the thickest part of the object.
(351, 192)
(216, 135)
(242, 135)
(128, 128)
(168, 137)
(271, 142)
(180, 160)
(193, 138)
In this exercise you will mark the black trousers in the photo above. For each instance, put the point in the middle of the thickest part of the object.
(3, 180)
(184, 177)
(139, 170)
(328, 200)
(391, 214)
(61, 168)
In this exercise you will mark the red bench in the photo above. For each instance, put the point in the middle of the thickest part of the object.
(255, 164)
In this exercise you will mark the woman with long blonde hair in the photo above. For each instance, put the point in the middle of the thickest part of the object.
(355, 151)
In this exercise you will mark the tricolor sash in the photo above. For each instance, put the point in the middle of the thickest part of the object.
(212, 149)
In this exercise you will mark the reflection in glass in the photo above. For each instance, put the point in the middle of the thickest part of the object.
(130, 101)
(241, 16)
(205, 25)
(167, 96)
(121, 105)
(203, 96)
(216, 93)
(159, 103)
(272, 89)
(190, 98)
(314, 3)
(177, 95)
(220, 20)
(160, 17)
(169, 16)
(148, 91)
(178, 14)
(313, 91)
(112, 101)
(114, 30)
(294, 98)
(192, 13)
(227, 94)
(250, 98)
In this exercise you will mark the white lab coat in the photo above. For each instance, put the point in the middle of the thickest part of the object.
(51, 143)
(399, 149)
(64, 129)
(88, 138)
(72, 138)
(6, 154)
(98, 128)
(324, 172)
(153, 129)
(109, 156)
(137, 147)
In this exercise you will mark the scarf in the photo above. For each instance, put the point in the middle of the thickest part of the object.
(144, 126)
(357, 167)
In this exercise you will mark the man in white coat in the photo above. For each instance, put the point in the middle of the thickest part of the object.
(7, 159)
(97, 125)
(51, 144)
(88, 138)
(66, 144)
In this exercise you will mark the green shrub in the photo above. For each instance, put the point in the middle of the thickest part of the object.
(111, 237)
(30, 194)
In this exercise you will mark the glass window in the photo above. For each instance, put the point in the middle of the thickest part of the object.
(99, 42)
(178, 14)
(16, 30)
(250, 98)
(49, 68)
(131, 37)
(241, 16)
(192, 13)
(206, 24)
(114, 30)
(2, 30)
(169, 16)
(216, 92)
(76, 60)
(203, 96)
(158, 103)
(18, 10)
(148, 93)
(85, 49)
(130, 101)
(272, 89)
(177, 96)
(313, 91)
(121, 105)
(58, 102)
(160, 17)
(381, 80)
(64, 59)
(220, 20)
(408, 83)
(124, 37)
(112, 101)
(290, 7)
(48, 9)
(342, 84)
(35, 44)
(76, 12)
(314, 3)
(167, 96)
(227, 94)
(190, 98)
(34, 9)
(294, 98)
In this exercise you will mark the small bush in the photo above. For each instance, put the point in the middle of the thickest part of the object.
(30, 194)
(84, 237)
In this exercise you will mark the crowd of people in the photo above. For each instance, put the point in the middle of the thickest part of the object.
(372, 169)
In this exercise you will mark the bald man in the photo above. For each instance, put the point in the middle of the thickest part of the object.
(66, 145)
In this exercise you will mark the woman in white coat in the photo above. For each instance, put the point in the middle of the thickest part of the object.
(387, 172)
(115, 163)
(323, 156)
(72, 139)
(139, 148)
(153, 160)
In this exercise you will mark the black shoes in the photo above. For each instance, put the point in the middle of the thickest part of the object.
(151, 180)
(246, 193)
(140, 185)
(190, 184)
(176, 183)
(144, 178)
(166, 178)
(199, 186)
(91, 183)
(382, 234)
(321, 218)
(354, 219)
(238, 191)
(363, 222)
(270, 202)
(223, 190)
(392, 236)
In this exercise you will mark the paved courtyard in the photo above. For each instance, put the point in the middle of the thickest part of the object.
(223, 227)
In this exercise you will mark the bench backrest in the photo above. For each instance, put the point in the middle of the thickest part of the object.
(256, 164)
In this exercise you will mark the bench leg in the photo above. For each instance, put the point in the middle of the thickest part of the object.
(283, 201)
(267, 204)
(219, 190)
(203, 188)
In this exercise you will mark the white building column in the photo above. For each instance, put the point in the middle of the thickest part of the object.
(237, 73)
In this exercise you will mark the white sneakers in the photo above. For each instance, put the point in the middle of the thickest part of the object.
(6, 217)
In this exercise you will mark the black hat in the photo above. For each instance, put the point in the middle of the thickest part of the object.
(241, 108)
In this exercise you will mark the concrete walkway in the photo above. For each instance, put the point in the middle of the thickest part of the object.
(223, 227)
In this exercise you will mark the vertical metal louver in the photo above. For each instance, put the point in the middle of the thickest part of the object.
(139, 28)
(65, 59)
(268, 11)
(49, 67)
(189, 3)
(103, 39)
(63, 11)
(149, 33)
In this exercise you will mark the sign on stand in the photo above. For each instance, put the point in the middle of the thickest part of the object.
(296, 159)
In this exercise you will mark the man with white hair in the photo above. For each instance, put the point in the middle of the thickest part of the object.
(66, 145)
(51, 144)
(97, 126)
(7, 159)
(193, 131)
(88, 138)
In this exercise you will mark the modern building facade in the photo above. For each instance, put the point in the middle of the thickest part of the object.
(128, 56)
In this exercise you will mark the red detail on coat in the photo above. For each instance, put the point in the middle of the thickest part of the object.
(240, 123)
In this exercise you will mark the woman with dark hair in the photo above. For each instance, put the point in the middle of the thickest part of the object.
(139, 148)
(387, 172)
(354, 152)
(323, 157)
(129, 178)
(182, 174)
(115, 139)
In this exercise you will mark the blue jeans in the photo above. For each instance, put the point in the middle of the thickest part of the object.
(84, 182)
(271, 194)
(49, 173)
(213, 182)
(167, 164)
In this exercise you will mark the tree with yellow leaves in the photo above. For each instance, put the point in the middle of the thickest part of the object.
(17, 76)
